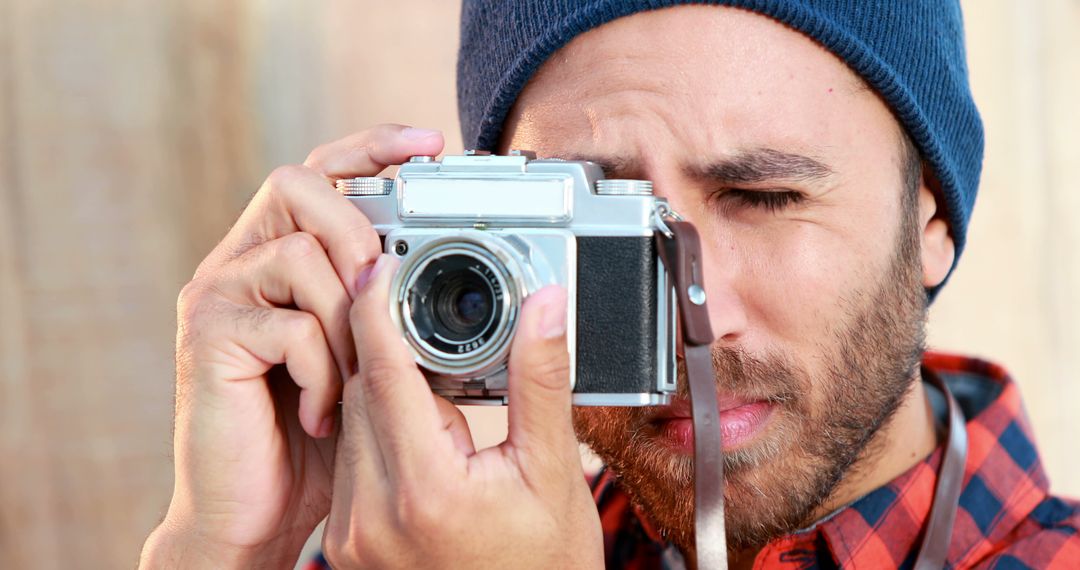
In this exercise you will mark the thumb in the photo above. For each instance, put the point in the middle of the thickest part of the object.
(539, 376)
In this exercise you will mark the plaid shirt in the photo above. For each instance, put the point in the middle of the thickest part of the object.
(1006, 519)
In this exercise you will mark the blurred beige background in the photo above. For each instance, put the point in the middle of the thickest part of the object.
(132, 133)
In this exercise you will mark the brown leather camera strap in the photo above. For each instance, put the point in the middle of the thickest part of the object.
(939, 527)
(680, 250)
(681, 253)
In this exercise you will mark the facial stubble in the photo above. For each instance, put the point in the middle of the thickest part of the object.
(776, 486)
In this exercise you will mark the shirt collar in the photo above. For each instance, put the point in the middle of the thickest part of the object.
(1003, 481)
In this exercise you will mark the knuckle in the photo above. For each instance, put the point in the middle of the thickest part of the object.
(298, 246)
(363, 145)
(340, 547)
(305, 327)
(317, 156)
(192, 302)
(282, 182)
(284, 176)
(358, 541)
(199, 312)
(552, 372)
(188, 296)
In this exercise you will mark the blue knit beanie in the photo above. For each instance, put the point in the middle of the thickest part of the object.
(910, 51)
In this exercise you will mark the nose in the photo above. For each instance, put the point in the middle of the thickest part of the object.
(721, 267)
(727, 313)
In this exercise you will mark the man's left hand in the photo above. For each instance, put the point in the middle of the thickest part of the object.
(410, 491)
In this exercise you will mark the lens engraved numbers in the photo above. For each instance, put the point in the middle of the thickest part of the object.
(469, 347)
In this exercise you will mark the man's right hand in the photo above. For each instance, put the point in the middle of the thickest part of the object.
(263, 342)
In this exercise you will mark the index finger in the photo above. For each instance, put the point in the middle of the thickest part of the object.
(394, 394)
(303, 198)
(368, 152)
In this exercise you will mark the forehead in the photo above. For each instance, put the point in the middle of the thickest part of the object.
(715, 77)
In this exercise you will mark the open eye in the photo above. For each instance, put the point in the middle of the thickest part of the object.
(768, 200)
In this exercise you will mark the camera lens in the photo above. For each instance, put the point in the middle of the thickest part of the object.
(455, 303)
(457, 299)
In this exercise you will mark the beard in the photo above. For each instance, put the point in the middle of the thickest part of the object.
(822, 425)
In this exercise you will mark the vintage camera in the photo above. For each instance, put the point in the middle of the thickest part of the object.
(477, 233)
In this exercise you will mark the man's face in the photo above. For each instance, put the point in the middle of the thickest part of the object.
(792, 172)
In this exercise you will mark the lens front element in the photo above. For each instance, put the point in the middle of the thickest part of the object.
(471, 307)
(455, 302)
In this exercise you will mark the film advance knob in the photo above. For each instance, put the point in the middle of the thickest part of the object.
(623, 187)
(367, 186)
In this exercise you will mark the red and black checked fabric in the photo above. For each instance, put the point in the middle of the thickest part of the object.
(1006, 519)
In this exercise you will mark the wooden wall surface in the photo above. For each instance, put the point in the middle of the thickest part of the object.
(131, 134)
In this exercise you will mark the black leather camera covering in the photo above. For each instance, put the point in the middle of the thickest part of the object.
(616, 315)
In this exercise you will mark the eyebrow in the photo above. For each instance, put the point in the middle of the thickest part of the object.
(762, 165)
(744, 167)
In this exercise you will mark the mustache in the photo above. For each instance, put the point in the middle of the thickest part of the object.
(768, 377)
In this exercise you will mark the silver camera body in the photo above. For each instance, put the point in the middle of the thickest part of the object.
(476, 234)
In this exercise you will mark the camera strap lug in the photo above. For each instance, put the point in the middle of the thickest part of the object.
(679, 247)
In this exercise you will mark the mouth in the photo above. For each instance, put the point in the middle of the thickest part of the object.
(741, 421)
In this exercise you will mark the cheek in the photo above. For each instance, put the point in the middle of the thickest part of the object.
(792, 279)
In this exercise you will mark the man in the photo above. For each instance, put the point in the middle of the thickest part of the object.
(828, 154)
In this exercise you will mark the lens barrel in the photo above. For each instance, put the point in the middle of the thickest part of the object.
(458, 301)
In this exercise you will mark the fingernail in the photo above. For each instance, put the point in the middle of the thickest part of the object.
(368, 274)
(326, 427)
(413, 133)
(553, 321)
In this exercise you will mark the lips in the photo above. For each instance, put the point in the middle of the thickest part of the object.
(740, 420)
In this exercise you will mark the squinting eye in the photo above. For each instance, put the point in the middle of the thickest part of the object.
(768, 201)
